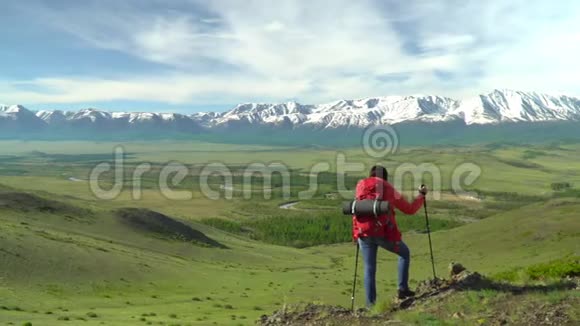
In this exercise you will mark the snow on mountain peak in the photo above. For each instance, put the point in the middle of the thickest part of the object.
(504, 105)
(15, 109)
(498, 106)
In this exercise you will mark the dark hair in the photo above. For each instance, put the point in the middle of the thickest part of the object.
(379, 172)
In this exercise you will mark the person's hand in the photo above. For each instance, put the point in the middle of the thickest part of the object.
(423, 190)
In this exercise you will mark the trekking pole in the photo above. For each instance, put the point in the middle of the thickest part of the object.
(429, 235)
(354, 282)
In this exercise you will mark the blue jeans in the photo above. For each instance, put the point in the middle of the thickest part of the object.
(369, 247)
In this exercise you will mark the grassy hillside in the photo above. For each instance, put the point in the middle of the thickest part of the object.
(121, 272)
(66, 255)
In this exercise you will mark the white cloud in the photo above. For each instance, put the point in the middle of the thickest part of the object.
(446, 42)
(274, 26)
(174, 89)
(318, 51)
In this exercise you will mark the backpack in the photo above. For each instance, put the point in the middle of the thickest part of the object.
(370, 188)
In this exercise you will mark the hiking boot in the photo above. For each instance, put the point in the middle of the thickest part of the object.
(403, 294)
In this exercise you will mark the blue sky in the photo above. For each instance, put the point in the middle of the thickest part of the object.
(188, 55)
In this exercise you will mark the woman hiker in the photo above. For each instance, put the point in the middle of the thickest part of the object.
(382, 231)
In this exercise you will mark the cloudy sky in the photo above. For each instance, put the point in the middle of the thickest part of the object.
(188, 55)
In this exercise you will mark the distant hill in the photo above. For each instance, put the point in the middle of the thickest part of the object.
(163, 226)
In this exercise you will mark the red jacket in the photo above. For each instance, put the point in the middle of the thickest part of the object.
(377, 188)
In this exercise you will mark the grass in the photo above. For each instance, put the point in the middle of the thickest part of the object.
(67, 253)
(488, 307)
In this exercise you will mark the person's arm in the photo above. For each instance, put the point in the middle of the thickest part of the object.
(400, 203)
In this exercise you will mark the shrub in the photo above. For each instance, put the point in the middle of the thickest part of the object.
(531, 154)
(381, 307)
(560, 186)
(556, 269)
(92, 315)
(307, 230)
(225, 225)
(567, 193)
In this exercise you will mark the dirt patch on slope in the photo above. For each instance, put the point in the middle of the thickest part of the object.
(26, 202)
(163, 226)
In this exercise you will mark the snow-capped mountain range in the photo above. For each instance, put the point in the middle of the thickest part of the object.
(497, 107)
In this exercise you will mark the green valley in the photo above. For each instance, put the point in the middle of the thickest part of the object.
(67, 256)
